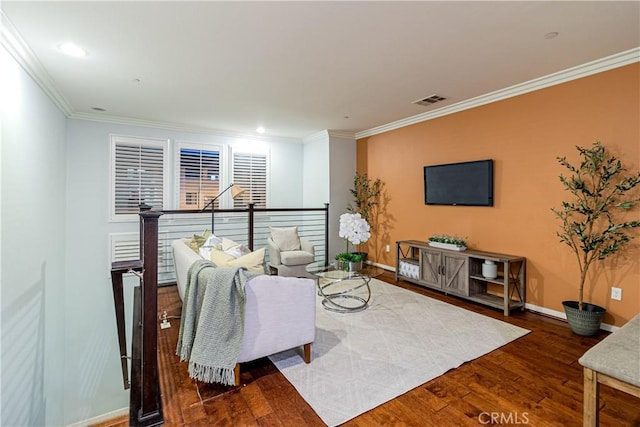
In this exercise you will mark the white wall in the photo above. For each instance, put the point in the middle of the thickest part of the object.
(316, 170)
(329, 168)
(286, 176)
(94, 384)
(60, 357)
(342, 168)
(32, 263)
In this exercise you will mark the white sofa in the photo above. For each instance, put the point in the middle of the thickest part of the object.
(280, 312)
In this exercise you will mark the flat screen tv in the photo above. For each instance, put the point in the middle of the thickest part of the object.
(463, 184)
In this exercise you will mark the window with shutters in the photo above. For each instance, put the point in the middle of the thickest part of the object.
(250, 173)
(138, 174)
(199, 175)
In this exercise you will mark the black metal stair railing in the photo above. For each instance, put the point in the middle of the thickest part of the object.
(145, 404)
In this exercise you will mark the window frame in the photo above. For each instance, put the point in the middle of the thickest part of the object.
(171, 169)
(202, 146)
(254, 152)
(114, 140)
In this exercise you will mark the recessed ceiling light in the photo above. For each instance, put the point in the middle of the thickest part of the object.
(551, 35)
(260, 129)
(73, 49)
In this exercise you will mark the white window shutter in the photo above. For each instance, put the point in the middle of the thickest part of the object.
(199, 177)
(126, 247)
(138, 174)
(250, 173)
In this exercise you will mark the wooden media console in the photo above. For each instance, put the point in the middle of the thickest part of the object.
(460, 274)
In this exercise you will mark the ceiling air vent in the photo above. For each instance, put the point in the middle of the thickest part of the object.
(429, 100)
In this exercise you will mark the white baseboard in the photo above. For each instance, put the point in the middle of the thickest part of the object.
(531, 307)
(382, 266)
(561, 316)
(101, 418)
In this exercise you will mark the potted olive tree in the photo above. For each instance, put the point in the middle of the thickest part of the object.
(591, 226)
(366, 196)
(366, 193)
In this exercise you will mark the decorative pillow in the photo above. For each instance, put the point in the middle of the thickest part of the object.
(236, 249)
(253, 261)
(197, 240)
(286, 239)
(220, 258)
(228, 244)
(230, 247)
(213, 242)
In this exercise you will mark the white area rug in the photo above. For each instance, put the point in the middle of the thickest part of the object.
(361, 360)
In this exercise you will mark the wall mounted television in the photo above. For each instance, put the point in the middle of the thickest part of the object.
(459, 184)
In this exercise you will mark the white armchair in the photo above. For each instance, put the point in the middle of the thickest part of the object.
(289, 254)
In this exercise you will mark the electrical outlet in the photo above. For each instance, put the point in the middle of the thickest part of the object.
(387, 248)
(616, 293)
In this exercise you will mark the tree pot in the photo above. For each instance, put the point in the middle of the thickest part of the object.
(585, 322)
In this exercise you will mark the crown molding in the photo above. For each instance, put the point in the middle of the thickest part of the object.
(320, 136)
(129, 121)
(22, 53)
(603, 64)
(327, 134)
(15, 45)
(341, 134)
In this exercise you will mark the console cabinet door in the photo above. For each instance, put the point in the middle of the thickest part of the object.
(430, 268)
(456, 274)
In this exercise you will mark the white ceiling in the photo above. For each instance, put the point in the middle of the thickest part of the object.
(297, 68)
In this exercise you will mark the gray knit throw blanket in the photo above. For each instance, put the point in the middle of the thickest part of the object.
(212, 323)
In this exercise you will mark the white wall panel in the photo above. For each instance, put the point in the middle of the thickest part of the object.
(32, 263)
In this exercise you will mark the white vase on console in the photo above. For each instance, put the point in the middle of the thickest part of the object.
(489, 269)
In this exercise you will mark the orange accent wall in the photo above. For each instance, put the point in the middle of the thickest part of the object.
(523, 135)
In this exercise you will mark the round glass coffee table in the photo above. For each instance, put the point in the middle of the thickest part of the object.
(343, 291)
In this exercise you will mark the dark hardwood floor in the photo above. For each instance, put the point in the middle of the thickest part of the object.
(535, 380)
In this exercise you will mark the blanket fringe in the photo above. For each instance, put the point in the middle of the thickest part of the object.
(211, 374)
(184, 352)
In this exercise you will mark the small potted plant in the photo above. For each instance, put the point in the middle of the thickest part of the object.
(349, 261)
(355, 230)
(443, 241)
(590, 225)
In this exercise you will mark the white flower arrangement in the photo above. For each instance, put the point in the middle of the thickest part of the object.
(354, 228)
